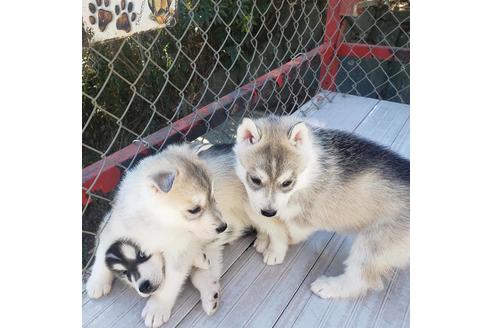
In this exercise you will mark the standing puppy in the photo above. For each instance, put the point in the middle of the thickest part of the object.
(232, 201)
(313, 179)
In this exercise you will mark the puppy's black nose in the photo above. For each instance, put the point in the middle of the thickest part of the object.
(145, 287)
(221, 228)
(268, 213)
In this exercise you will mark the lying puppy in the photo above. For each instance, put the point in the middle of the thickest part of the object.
(143, 272)
(317, 179)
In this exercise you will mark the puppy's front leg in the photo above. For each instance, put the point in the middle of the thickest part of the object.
(158, 308)
(207, 281)
(261, 242)
(101, 278)
(278, 242)
(202, 261)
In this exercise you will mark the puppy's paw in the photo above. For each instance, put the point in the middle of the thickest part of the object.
(273, 256)
(210, 299)
(261, 243)
(97, 287)
(155, 313)
(202, 262)
(337, 287)
(324, 287)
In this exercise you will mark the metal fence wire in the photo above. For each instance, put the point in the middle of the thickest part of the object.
(220, 61)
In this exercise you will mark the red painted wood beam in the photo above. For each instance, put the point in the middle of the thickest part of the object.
(366, 51)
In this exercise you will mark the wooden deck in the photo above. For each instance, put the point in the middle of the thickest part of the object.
(256, 295)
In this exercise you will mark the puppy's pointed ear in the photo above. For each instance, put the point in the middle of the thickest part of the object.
(248, 131)
(201, 147)
(298, 134)
(162, 181)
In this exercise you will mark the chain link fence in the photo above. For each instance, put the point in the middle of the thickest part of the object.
(223, 60)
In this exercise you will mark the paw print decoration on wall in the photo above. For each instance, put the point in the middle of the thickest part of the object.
(125, 16)
(110, 19)
(100, 14)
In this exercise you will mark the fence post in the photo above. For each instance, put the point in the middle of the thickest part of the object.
(329, 61)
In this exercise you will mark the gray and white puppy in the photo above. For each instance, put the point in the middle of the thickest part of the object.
(232, 200)
(317, 179)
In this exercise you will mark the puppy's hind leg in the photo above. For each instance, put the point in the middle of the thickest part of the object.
(373, 256)
(351, 283)
(207, 280)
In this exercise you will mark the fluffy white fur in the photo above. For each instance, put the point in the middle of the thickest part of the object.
(159, 222)
(160, 225)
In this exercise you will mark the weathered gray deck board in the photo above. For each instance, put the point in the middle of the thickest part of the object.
(262, 289)
(256, 295)
(383, 123)
(294, 309)
(394, 310)
(337, 111)
(402, 142)
(272, 306)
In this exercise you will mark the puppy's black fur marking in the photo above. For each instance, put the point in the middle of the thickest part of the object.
(356, 154)
(114, 256)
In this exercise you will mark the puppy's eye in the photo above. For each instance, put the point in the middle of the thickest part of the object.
(141, 256)
(125, 273)
(195, 210)
(255, 180)
(287, 183)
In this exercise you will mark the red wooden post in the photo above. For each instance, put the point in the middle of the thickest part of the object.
(329, 62)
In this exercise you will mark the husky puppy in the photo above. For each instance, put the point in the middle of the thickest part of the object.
(143, 272)
(232, 200)
(312, 178)
(166, 204)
